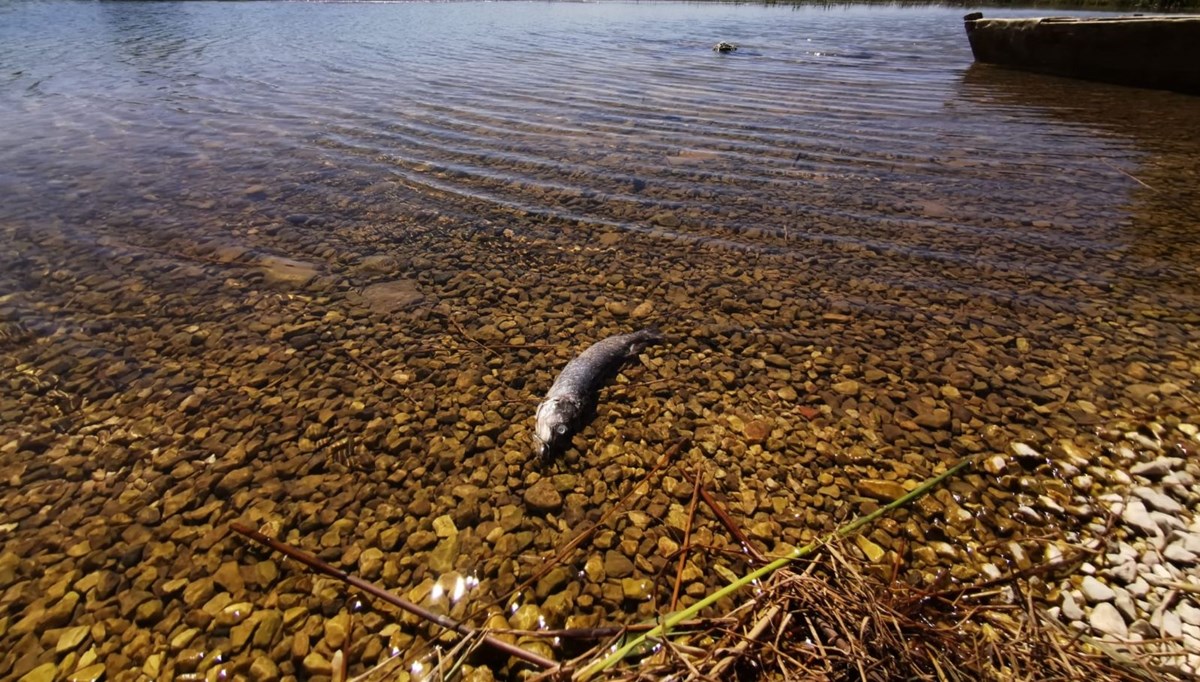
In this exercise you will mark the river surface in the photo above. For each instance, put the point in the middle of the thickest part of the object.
(310, 266)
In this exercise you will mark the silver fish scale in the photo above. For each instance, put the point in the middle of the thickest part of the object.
(583, 375)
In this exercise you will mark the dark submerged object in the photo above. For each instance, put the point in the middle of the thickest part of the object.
(1161, 52)
(574, 391)
(724, 47)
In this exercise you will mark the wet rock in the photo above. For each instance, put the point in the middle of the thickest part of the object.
(885, 491)
(527, 617)
(316, 664)
(370, 563)
(91, 673)
(617, 565)
(551, 582)
(336, 629)
(873, 552)
(269, 624)
(420, 540)
(46, 672)
(636, 589)
(542, 497)
(62, 612)
(263, 669)
(234, 481)
(378, 264)
(286, 271)
(234, 613)
(849, 387)
(229, 577)
(71, 638)
(391, 297)
(665, 219)
(441, 558)
(594, 569)
(936, 418)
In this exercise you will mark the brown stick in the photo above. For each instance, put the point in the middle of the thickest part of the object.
(729, 524)
(470, 338)
(687, 536)
(372, 589)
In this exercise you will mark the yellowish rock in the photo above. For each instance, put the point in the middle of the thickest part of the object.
(45, 672)
(71, 638)
(443, 526)
(873, 551)
(336, 629)
(91, 673)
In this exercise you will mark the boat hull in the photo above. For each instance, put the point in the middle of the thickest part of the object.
(1160, 52)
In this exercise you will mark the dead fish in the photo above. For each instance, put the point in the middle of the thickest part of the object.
(561, 413)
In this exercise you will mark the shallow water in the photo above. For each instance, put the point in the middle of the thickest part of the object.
(871, 257)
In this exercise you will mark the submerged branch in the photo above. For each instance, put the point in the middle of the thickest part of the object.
(400, 603)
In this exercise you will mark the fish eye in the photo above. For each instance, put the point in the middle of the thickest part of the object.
(560, 429)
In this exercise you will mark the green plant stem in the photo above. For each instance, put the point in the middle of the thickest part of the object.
(677, 617)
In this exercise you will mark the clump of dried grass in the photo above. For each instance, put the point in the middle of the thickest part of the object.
(833, 619)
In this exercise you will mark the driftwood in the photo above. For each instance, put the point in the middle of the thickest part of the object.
(400, 603)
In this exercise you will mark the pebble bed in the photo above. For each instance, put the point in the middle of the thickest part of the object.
(1141, 590)
(374, 407)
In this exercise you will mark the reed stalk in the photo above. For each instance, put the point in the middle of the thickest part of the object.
(673, 619)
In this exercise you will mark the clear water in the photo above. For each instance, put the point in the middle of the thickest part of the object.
(846, 197)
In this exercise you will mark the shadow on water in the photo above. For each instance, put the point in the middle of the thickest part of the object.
(1164, 126)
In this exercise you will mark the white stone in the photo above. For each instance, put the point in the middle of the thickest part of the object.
(1176, 553)
(1191, 542)
(1050, 505)
(1070, 609)
(1138, 588)
(1053, 554)
(1172, 626)
(1023, 450)
(1189, 614)
(1193, 660)
(1146, 442)
(1155, 468)
(1168, 522)
(1107, 620)
(1136, 515)
(1095, 591)
(1029, 512)
(1125, 605)
(1125, 572)
(1158, 499)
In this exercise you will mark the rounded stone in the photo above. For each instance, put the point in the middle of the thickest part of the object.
(542, 497)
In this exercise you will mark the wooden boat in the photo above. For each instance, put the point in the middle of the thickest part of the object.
(1160, 52)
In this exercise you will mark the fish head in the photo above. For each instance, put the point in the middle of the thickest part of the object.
(555, 417)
